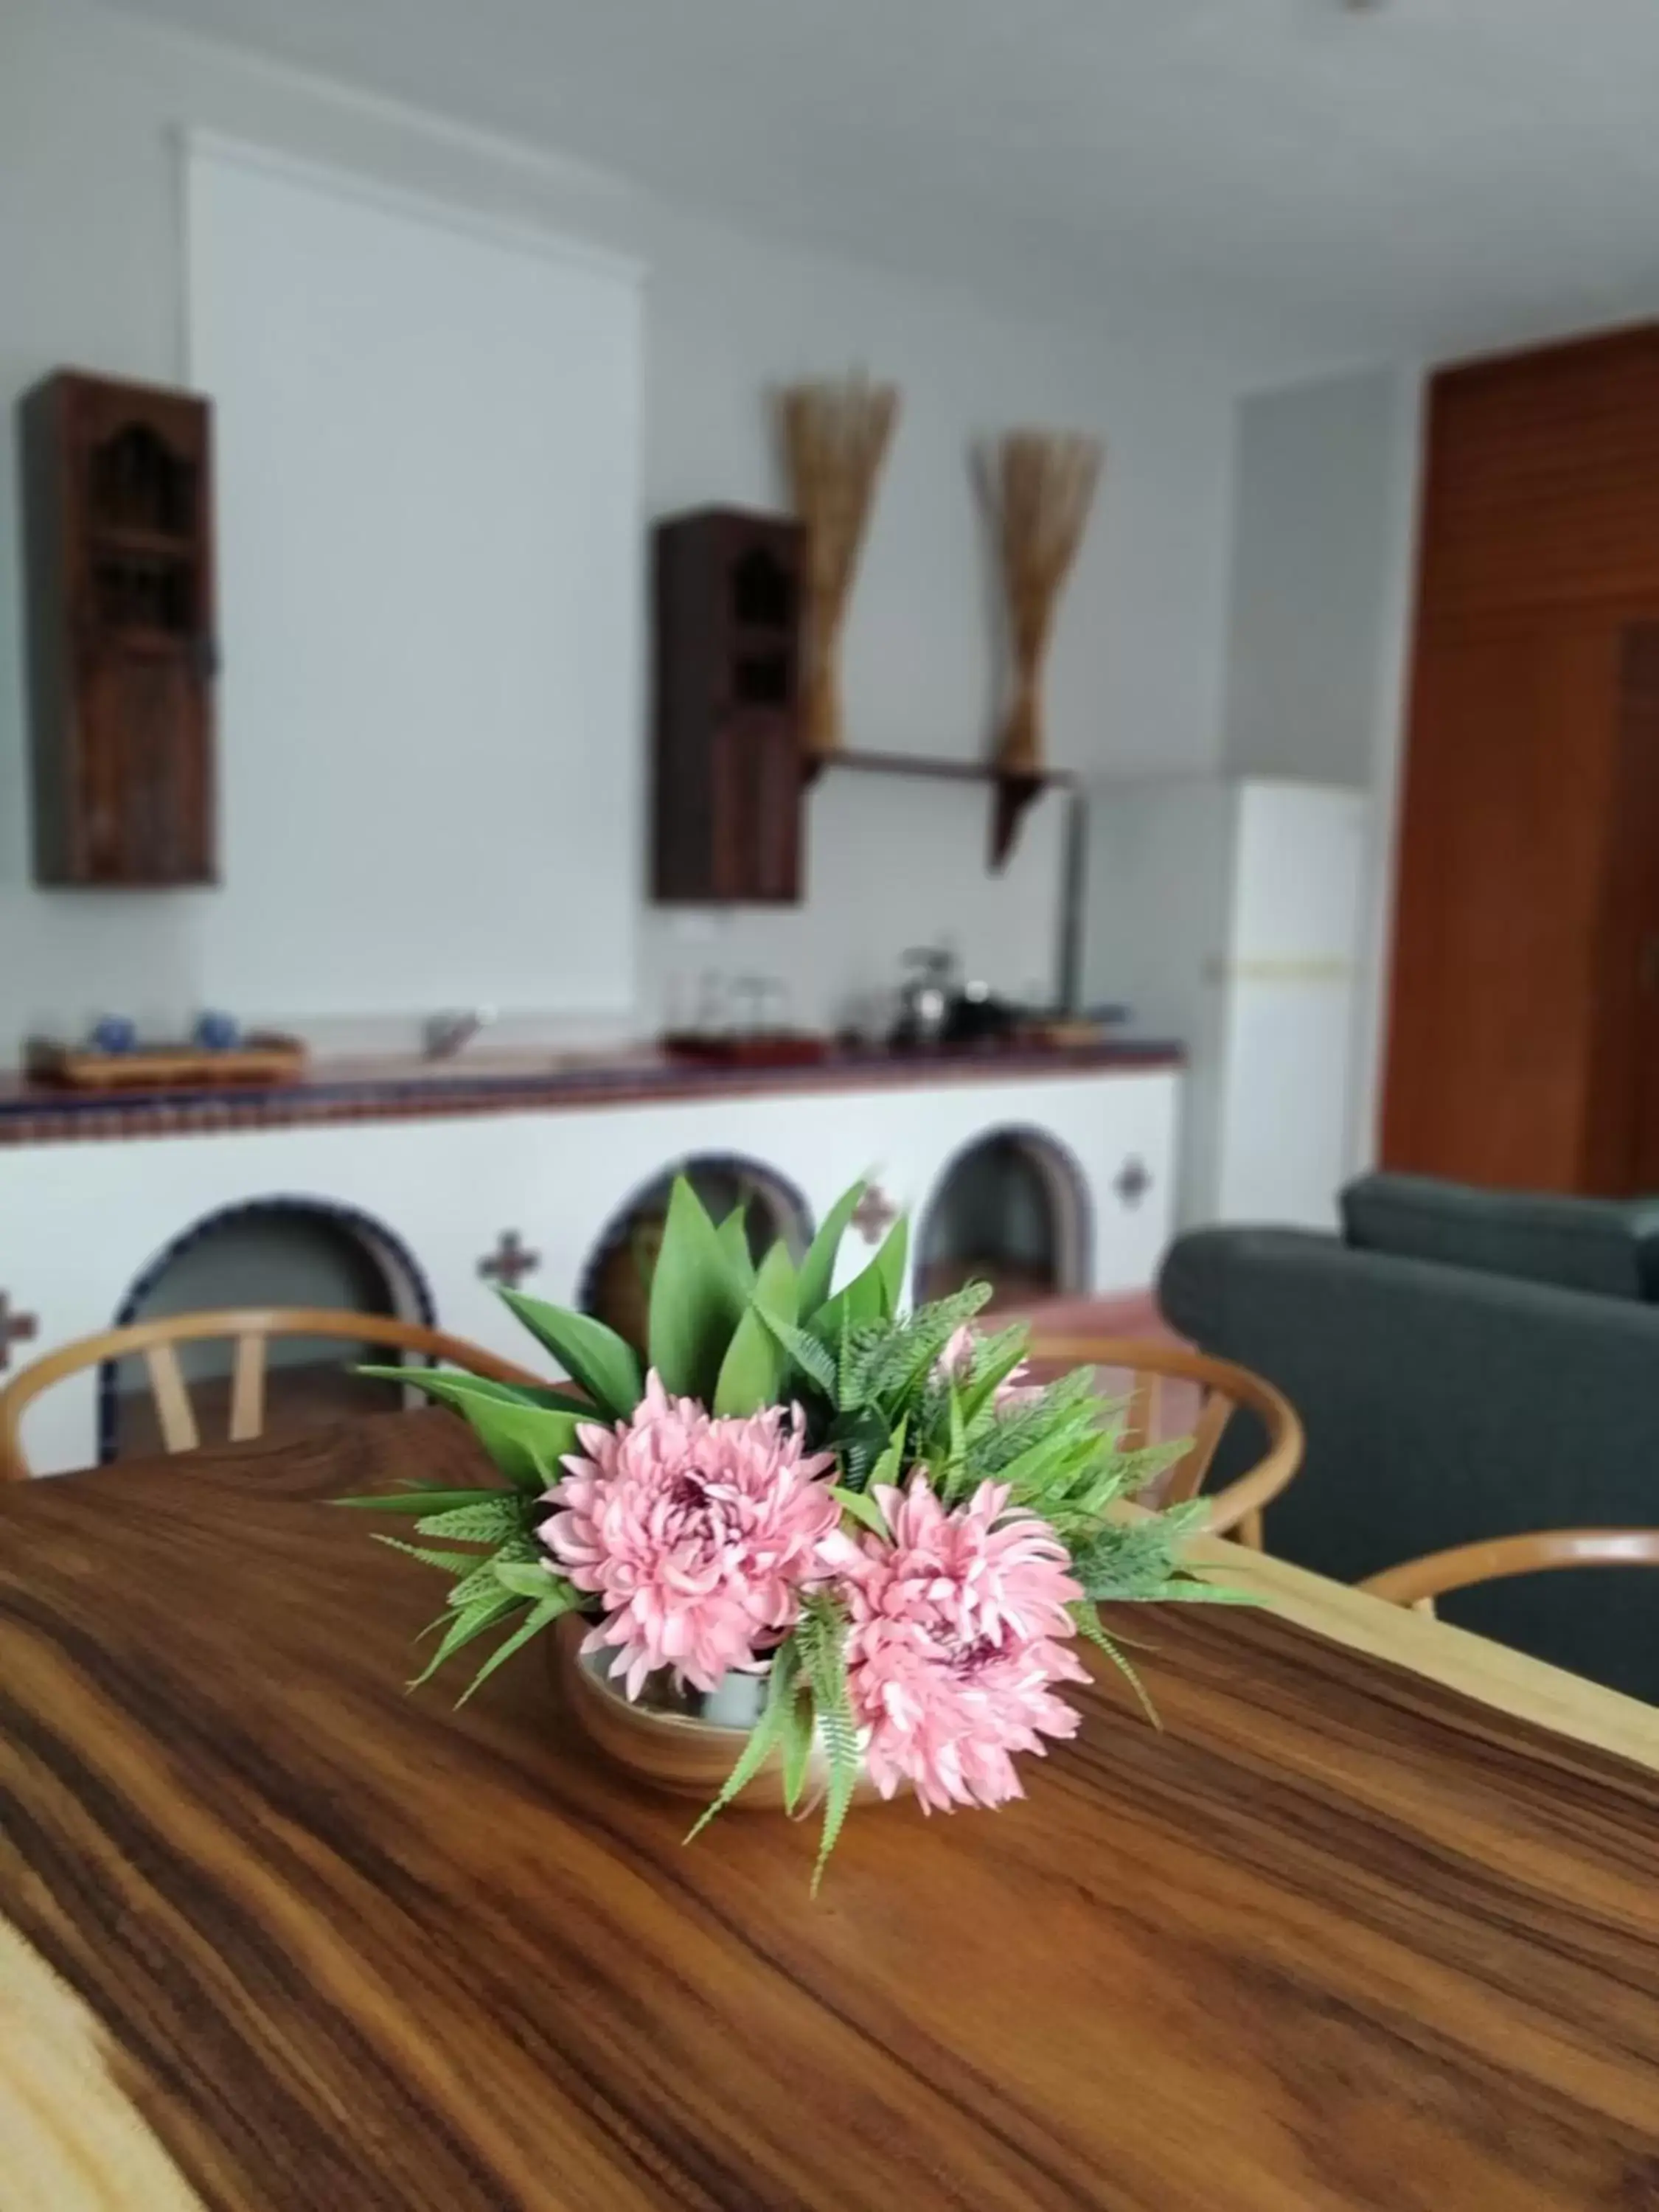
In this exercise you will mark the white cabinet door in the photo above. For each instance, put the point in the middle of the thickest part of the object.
(1133, 1185)
(1285, 1108)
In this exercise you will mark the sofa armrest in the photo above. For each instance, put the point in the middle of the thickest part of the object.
(1442, 1406)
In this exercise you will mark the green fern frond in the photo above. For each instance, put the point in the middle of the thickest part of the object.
(522, 1550)
(447, 1563)
(1137, 1469)
(1089, 1628)
(798, 1736)
(491, 1521)
(821, 1638)
(862, 1344)
(1024, 1425)
(481, 1582)
(814, 1360)
(914, 1344)
(1133, 1562)
(862, 1441)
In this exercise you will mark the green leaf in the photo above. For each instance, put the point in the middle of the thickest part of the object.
(453, 1385)
(697, 1300)
(421, 1501)
(860, 1303)
(804, 1350)
(890, 1265)
(733, 1235)
(768, 1730)
(753, 1366)
(874, 1293)
(525, 1440)
(485, 1521)
(817, 1269)
(890, 1466)
(1027, 1475)
(526, 1443)
(525, 1579)
(551, 1397)
(606, 1366)
(862, 1509)
(995, 1361)
(556, 1603)
(464, 1626)
(474, 1589)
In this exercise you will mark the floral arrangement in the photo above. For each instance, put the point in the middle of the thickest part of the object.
(875, 1512)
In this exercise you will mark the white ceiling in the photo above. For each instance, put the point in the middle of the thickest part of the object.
(1424, 177)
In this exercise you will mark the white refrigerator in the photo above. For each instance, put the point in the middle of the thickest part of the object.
(1228, 913)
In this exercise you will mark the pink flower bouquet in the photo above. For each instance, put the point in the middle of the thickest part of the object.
(873, 1513)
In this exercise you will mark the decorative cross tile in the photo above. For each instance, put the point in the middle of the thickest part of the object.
(14, 1328)
(509, 1262)
(1133, 1181)
(874, 1214)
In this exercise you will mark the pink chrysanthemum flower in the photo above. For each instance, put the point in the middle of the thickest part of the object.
(696, 1534)
(954, 1643)
(956, 1364)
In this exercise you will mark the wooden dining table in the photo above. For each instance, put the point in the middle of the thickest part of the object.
(1372, 1920)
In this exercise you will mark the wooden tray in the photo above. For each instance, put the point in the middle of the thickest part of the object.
(168, 1068)
(749, 1048)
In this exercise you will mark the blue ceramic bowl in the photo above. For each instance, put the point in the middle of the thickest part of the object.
(115, 1033)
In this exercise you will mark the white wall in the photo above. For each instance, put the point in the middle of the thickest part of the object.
(1324, 563)
(1311, 561)
(488, 555)
(90, 268)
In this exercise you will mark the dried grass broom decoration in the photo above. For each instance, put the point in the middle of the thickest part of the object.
(835, 437)
(1040, 484)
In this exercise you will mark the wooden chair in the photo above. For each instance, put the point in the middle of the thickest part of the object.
(1418, 1583)
(1221, 1389)
(251, 1329)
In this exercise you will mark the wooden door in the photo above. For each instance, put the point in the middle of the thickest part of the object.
(1526, 907)
(145, 795)
(1505, 842)
(1621, 1150)
(756, 843)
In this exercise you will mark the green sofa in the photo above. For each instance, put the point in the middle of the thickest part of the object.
(1467, 1364)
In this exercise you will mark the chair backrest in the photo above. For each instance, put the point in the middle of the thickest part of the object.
(1420, 1582)
(1220, 1390)
(250, 1329)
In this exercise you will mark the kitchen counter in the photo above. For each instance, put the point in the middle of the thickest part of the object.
(478, 1082)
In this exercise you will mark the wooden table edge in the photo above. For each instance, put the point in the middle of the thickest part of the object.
(1494, 1675)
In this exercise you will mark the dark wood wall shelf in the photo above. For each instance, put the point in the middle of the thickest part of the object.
(117, 512)
(1012, 794)
(727, 798)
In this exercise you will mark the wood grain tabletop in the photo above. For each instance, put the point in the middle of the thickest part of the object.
(276, 1937)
